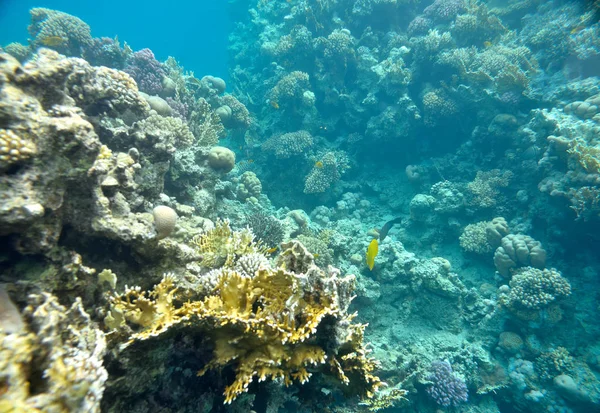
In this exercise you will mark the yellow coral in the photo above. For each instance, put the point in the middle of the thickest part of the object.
(264, 326)
(221, 246)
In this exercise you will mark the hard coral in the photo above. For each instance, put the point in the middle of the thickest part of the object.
(222, 246)
(446, 388)
(66, 34)
(518, 251)
(147, 71)
(289, 144)
(14, 149)
(275, 324)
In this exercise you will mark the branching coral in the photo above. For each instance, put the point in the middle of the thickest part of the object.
(484, 188)
(326, 172)
(483, 236)
(533, 289)
(268, 229)
(222, 246)
(289, 144)
(67, 34)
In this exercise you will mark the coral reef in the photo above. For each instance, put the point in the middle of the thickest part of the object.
(462, 138)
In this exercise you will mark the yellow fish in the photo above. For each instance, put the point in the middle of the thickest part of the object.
(272, 250)
(372, 253)
(274, 104)
(52, 41)
(318, 164)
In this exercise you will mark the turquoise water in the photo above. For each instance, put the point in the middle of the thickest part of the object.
(300, 206)
(195, 32)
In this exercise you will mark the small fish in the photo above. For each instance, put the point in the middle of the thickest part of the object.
(487, 44)
(272, 250)
(577, 29)
(53, 41)
(318, 164)
(274, 104)
(315, 256)
(372, 252)
(387, 226)
(193, 81)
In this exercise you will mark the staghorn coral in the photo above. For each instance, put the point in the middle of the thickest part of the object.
(517, 250)
(64, 351)
(270, 325)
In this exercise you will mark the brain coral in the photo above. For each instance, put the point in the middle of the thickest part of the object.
(221, 158)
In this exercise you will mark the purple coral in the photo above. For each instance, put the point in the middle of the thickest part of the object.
(146, 71)
(444, 9)
(180, 109)
(446, 388)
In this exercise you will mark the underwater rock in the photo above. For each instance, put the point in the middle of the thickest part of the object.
(569, 389)
(158, 104)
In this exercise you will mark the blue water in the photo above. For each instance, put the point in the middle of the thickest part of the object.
(195, 32)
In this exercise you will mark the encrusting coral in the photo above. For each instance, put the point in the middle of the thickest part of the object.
(275, 324)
